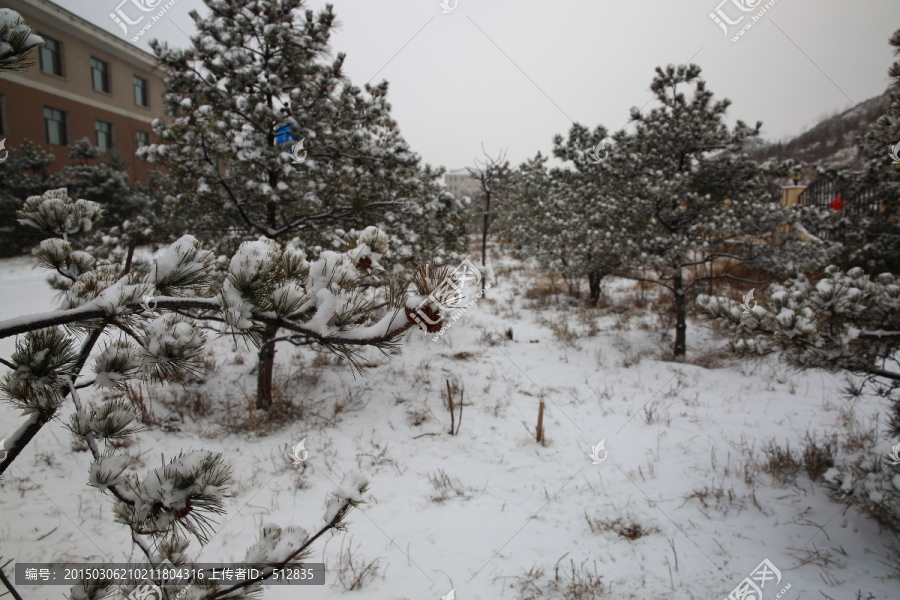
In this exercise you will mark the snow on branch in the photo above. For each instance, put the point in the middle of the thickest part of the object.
(16, 40)
(155, 337)
(845, 321)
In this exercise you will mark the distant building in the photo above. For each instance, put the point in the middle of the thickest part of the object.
(460, 183)
(85, 83)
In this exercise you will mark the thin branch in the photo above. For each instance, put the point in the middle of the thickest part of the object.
(268, 571)
(882, 373)
(8, 584)
(623, 276)
(95, 450)
(88, 312)
(142, 544)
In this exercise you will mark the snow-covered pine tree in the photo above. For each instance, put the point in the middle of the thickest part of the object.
(593, 239)
(16, 41)
(102, 178)
(267, 283)
(95, 176)
(871, 238)
(560, 218)
(685, 191)
(844, 322)
(22, 174)
(255, 85)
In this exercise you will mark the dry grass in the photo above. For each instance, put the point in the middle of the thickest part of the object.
(710, 358)
(447, 487)
(781, 463)
(353, 571)
(572, 583)
(416, 415)
(711, 497)
(545, 292)
(818, 457)
(627, 527)
(294, 398)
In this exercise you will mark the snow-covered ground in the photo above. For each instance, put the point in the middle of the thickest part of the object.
(479, 510)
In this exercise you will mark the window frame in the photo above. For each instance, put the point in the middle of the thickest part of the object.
(107, 78)
(64, 129)
(58, 54)
(145, 88)
(137, 138)
(98, 130)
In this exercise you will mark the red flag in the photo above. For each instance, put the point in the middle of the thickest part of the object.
(837, 203)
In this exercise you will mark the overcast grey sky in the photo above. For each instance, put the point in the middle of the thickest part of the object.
(512, 73)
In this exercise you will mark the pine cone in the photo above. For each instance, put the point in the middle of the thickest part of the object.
(428, 312)
(181, 513)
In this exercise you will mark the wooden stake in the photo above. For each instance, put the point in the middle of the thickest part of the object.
(450, 402)
(462, 395)
(539, 433)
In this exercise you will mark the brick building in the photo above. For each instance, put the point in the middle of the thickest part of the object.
(85, 83)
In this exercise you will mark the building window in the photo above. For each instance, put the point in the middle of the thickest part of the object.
(55, 126)
(143, 138)
(100, 74)
(104, 135)
(141, 91)
(51, 56)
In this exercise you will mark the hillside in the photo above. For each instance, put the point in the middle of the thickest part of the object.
(832, 140)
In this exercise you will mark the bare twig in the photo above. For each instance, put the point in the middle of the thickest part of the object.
(268, 571)
(7, 583)
(450, 403)
(462, 394)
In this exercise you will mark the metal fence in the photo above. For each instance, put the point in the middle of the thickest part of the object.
(828, 194)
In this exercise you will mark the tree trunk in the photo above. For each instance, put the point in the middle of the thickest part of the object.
(484, 233)
(594, 279)
(680, 316)
(266, 369)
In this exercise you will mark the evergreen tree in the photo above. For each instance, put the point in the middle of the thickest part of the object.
(689, 197)
(871, 236)
(135, 310)
(844, 322)
(596, 242)
(96, 177)
(561, 217)
(22, 174)
(254, 86)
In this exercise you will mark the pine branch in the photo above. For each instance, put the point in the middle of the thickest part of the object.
(269, 571)
(142, 544)
(624, 276)
(304, 221)
(38, 419)
(883, 373)
(95, 450)
(90, 313)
